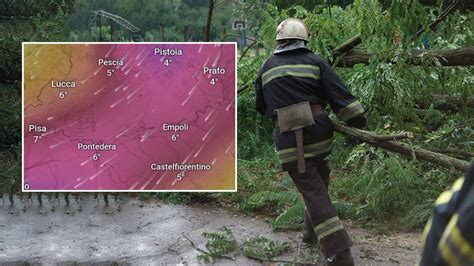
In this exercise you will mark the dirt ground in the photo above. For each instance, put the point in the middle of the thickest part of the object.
(131, 231)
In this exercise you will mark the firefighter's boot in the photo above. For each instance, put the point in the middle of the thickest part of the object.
(309, 236)
(343, 258)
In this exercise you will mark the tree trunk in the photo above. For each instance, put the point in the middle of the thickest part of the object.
(446, 103)
(453, 100)
(209, 20)
(348, 45)
(455, 57)
(456, 153)
(404, 149)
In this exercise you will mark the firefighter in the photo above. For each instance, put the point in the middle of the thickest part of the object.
(449, 235)
(297, 79)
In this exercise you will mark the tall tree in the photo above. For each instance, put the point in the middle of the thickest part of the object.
(209, 20)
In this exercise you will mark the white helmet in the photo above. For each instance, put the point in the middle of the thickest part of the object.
(292, 28)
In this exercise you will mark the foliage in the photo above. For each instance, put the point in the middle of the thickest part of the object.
(282, 198)
(288, 203)
(418, 215)
(262, 172)
(178, 19)
(262, 248)
(10, 114)
(21, 21)
(222, 244)
(219, 243)
(384, 187)
(178, 198)
(257, 130)
(10, 170)
(368, 184)
(447, 134)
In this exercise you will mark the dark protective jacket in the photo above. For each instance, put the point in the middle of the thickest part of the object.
(296, 76)
(449, 234)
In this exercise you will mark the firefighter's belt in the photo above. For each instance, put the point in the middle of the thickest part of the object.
(294, 118)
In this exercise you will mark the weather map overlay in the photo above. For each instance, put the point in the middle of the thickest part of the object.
(129, 117)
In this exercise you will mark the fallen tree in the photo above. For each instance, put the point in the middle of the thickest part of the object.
(453, 100)
(347, 45)
(454, 57)
(446, 103)
(386, 143)
(456, 153)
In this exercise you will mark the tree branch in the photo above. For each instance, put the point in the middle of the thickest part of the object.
(204, 251)
(440, 18)
(240, 36)
(455, 153)
(347, 45)
(244, 87)
(454, 57)
(285, 262)
(246, 49)
(403, 149)
(403, 135)
(453, 100)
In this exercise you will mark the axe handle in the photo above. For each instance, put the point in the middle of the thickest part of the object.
(300, 150)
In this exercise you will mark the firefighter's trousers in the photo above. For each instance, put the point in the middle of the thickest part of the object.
(313, 185)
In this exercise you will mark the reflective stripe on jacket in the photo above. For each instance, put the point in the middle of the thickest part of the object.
(449, 235)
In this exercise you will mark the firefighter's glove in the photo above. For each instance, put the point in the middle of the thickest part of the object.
(358, 122)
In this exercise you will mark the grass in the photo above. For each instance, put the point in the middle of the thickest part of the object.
(378, 189)
(384, 190)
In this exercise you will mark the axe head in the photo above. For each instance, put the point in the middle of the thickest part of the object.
(294, 117)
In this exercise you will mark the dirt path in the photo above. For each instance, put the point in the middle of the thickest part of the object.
(137, 232)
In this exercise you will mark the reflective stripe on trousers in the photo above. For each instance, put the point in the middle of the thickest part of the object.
(331, 235)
